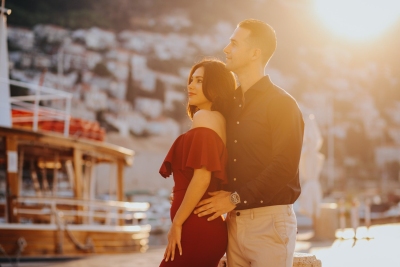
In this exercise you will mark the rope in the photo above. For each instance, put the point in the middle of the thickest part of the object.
(21, 246)
(2, 250)
(88, 246)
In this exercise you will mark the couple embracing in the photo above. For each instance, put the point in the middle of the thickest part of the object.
(240, 158)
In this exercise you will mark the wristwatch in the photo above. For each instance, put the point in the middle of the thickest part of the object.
(234, 198)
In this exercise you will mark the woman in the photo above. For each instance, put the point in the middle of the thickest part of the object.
(198, 160)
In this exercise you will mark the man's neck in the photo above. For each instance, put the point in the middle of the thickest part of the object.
(248, 77)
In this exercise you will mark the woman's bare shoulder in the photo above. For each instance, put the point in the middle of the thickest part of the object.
(210, 119)
(207, 118)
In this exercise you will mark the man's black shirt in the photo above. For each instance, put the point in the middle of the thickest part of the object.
(264, 140)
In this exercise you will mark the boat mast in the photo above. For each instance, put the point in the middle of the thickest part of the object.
(5, 108)
(2, 8)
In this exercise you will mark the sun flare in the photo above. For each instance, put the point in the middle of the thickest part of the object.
(358, 19)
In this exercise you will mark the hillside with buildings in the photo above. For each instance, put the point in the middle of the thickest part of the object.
(132, 79)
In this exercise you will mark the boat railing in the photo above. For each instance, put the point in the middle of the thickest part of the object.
(33, 112)
(110, 212)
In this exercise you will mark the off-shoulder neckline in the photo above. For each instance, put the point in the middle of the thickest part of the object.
(202, 127)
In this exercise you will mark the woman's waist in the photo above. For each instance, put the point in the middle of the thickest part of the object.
(177, 200)
(195, 219)
(179, 190)
(178, 195)
(183, 188)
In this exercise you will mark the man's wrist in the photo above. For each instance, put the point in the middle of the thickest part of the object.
(234, 198)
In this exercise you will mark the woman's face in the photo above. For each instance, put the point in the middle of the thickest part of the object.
(195, 90)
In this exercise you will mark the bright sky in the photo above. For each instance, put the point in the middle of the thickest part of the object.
(358, 19)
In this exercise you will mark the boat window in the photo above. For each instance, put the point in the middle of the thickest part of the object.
(44, 172)
(106, 185)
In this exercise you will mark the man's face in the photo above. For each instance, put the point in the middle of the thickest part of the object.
(239, 50)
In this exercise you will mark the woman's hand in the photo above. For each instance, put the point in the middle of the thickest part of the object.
(174, 239)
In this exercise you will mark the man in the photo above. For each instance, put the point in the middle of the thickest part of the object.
(264, 140)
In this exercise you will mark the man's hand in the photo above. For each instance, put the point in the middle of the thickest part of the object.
(219, 203)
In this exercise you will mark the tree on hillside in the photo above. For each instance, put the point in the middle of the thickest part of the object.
(101, 70)
(131, 90)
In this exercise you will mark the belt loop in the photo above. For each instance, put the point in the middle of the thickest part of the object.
(289, 210)
(252, 214)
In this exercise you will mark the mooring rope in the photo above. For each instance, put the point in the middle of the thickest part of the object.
(60, 221)
(21, 246)
(88, 246)
(3, 251)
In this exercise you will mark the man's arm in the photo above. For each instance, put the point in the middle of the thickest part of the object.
(287, 138)
(219, 203)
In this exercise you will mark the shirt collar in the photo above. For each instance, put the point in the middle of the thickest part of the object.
(260, 86)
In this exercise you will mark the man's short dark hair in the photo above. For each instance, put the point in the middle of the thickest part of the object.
(262, 35)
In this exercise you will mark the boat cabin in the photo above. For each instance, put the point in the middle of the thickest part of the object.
(48, 199)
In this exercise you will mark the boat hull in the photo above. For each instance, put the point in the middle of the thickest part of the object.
(76, 240)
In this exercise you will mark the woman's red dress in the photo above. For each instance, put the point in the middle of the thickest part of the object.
(203, 242)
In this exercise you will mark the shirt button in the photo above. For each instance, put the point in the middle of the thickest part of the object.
(234, 159)
(235, 141)
(237, 213)
(261, 201)
(234, 97)
(245, 202)
(237, 122)
(234, 179)
(240, 106)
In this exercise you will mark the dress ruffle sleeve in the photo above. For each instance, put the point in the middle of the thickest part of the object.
(166, 166)
(206, 149)
(199, 147)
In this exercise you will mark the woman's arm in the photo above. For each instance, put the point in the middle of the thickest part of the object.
(197, 187)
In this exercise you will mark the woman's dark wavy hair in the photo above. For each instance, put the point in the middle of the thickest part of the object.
(219, 85)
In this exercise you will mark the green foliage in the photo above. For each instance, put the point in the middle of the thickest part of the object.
(168, 66)
(70, 14)
(101, 70)
(116, 14)
(179, 111)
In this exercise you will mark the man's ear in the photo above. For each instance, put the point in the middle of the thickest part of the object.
(256, 53)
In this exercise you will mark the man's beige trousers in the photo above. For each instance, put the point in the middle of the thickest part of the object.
(262, 237)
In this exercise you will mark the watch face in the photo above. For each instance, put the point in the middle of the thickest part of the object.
(235, 198)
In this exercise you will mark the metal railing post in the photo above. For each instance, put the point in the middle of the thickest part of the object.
(53, 212)
(67, 116)
(36, 110)
(31, 103)
(107, 210)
